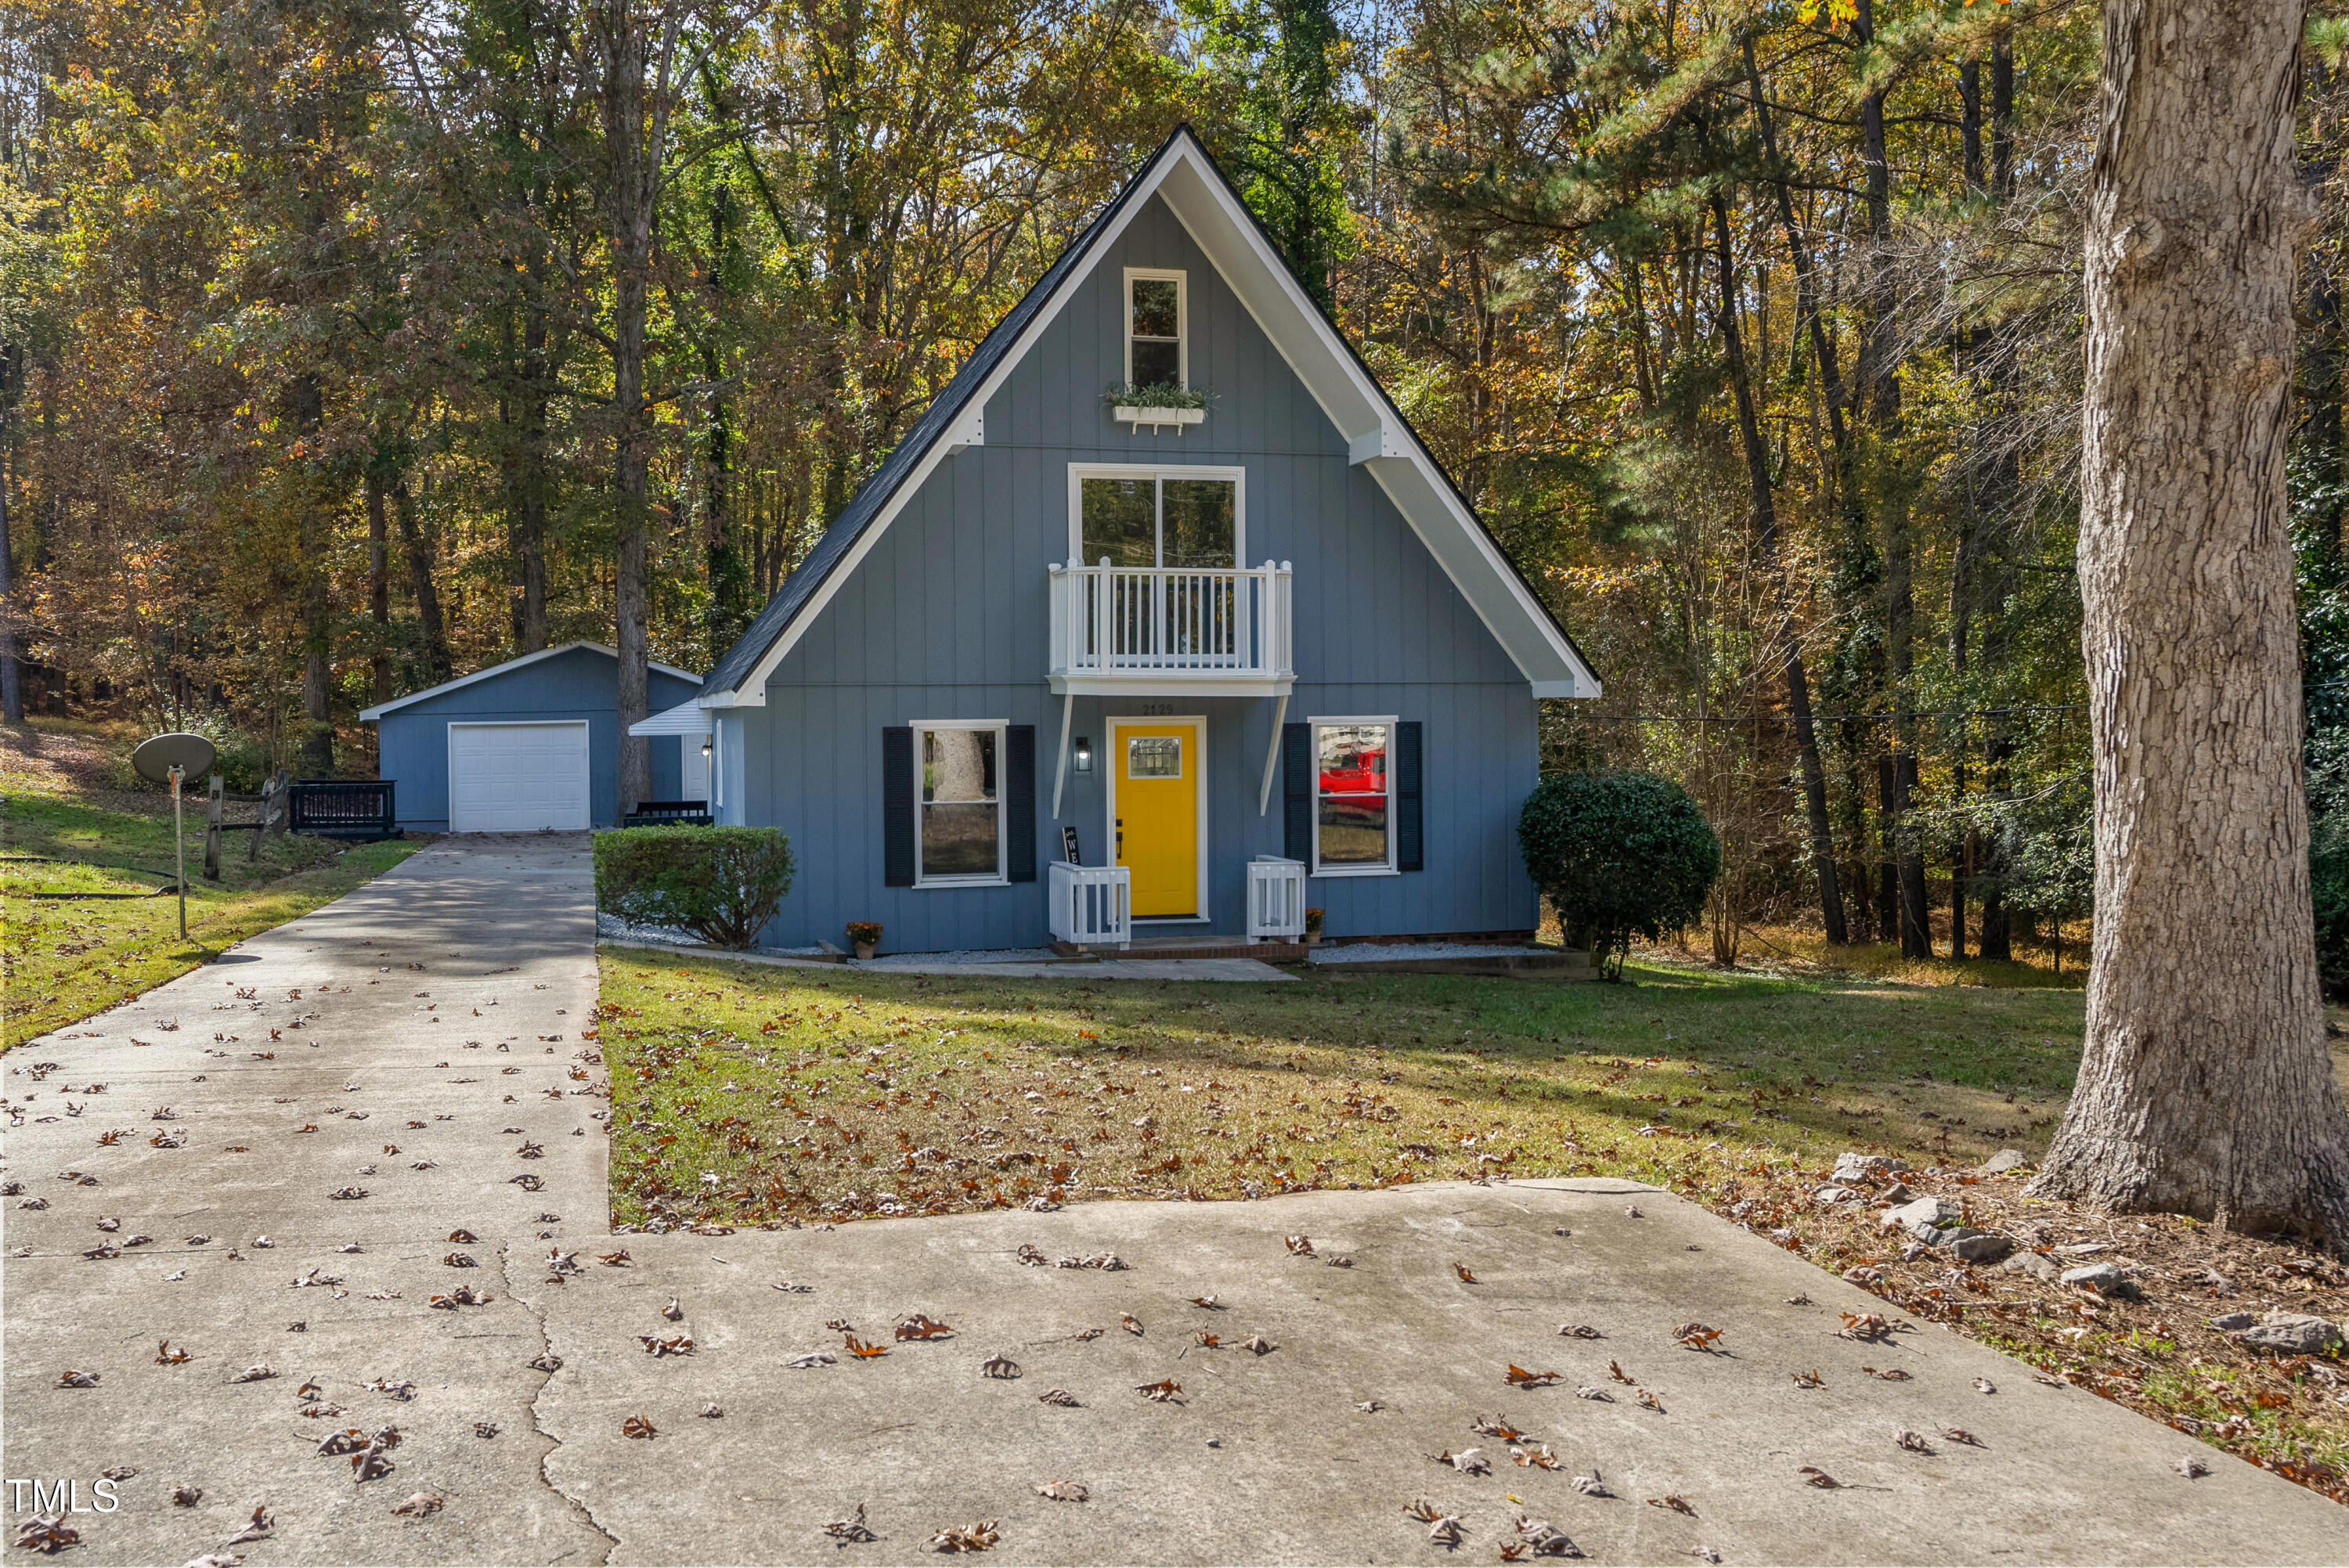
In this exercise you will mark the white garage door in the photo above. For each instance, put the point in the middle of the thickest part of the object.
(517, 778)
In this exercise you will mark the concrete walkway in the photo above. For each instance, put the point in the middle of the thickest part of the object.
(1307, 1452)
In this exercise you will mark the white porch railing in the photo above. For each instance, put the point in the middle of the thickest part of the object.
(1276, 899)
(1171, 623)
(1090, 906)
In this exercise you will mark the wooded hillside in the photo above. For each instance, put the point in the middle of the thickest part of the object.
(350, 344)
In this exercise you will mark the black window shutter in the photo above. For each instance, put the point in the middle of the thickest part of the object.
(1410, 839)
(897, 806)
(1020, 802)
(1296, 792)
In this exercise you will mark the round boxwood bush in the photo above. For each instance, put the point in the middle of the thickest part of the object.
(723, 884)
(1621, 854)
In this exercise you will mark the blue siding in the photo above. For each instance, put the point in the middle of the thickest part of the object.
(581, 684)
(946, 617)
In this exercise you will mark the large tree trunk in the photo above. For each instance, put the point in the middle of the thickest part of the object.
(416, 545)
(2205, 1087)
(1798, 680)
(379, 584)
(1765, 520)
(633, 119)
(12, 692)
(308, 409)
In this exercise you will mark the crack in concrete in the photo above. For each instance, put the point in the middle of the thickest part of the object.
(537, 1418)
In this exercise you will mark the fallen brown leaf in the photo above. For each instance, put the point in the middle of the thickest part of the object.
(977, 1537)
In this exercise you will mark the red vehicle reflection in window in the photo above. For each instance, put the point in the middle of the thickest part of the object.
(1351, 770)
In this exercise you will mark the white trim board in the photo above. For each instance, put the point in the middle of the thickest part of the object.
(1376, 434)
(371, 714)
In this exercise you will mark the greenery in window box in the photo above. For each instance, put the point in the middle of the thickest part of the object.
(1621, 854)
(1164, 396)
(723, 884)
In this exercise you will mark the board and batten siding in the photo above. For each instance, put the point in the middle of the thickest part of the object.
(413, 741)
(946, 617)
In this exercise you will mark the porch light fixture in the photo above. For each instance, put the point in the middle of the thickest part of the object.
(705, 749)
(1084, 755)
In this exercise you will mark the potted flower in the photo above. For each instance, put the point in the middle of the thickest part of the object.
(1313, 928)
(864, 935)
(1157, 406)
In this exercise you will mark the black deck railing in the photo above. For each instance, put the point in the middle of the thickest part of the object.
(343, 808)
(669, 814)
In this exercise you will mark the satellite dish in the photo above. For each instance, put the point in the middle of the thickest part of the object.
(157, 755)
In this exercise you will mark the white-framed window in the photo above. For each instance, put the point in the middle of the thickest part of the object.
(1190, 517)
(1353, 797)
(1158, 328)
(959, 803)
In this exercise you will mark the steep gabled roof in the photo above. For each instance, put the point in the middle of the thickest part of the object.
(1379, 439)
(609, 651)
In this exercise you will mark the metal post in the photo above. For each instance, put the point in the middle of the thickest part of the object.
(179, 849)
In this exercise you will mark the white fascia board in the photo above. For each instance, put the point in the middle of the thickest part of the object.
(752, 690)
(1474, 564)
(688, 717)
(370, 715)
(1376, 439)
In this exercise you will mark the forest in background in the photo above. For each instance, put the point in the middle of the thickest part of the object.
(348, 344)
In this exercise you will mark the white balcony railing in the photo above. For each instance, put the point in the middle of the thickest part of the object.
(1090, 906)
(1170, 624)
(1276, 899)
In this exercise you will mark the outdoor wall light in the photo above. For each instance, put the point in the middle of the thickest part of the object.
(705, 749)
(1084, 755)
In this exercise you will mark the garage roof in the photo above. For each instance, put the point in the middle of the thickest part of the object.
(609, 651)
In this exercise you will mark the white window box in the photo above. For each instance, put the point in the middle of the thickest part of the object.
(1157, 419)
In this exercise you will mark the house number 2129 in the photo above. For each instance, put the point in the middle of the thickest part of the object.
(1157, 707)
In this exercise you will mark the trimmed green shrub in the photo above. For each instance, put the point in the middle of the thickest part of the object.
(1621, 854)
(723, 884)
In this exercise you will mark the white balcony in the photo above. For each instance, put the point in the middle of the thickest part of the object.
(1206, 633)
(1088, 906)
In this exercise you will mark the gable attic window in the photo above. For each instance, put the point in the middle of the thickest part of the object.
(1157, 345)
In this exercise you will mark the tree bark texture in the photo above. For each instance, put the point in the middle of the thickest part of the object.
(378, 585)
(308, 404)
(1765, 518)
(12, 691)
(2205, 1087)
(417, 546)
(632, 130)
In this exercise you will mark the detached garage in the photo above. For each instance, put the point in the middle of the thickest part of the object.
(529, 743)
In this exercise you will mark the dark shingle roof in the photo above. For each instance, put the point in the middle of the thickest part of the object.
(833, 550)
(873, 498)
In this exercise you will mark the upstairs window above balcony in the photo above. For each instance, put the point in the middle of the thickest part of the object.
(1157, 345)
(1141, 519)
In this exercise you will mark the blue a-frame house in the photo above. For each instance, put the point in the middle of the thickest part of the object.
(1077, 662)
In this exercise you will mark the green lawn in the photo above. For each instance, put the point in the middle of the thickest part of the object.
(63, 959)
(746, 1093)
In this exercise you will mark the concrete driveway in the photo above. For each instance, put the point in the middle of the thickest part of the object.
(452, 993)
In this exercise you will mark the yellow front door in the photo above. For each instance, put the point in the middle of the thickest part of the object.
(1157, 824)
